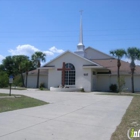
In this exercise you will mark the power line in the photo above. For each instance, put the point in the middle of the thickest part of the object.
(77, 41)
(73, 30)
(45, 36)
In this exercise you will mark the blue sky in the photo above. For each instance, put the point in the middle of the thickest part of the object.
(52, 26)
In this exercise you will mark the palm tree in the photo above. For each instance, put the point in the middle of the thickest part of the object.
(37, 57)
(133, 53)
(27, 65)
(119, 53)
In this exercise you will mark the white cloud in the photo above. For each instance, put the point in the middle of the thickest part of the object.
(1, 58)
(137, 62)
(29, 50)
(48, 53)
(24, 49)
(55, 50)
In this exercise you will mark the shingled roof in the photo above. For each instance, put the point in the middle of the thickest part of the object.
(111, 64)
(34, 72)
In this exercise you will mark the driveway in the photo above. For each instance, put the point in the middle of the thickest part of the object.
(69, 116)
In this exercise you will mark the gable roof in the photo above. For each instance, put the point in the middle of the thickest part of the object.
(34, 72)
(73, 54)
(111, 64)
(99, 52)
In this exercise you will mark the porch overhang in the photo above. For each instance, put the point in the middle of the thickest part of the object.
(46, 67)
(92, 66)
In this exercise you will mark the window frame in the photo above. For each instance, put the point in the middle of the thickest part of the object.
(70, 74)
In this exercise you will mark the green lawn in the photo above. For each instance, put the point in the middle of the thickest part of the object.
(8, 104)
(15, 88)
(131, 119)
(3, 94)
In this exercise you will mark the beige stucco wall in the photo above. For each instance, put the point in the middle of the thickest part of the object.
(32, 80)
(136, 83)
(104, 81)
(54, 76)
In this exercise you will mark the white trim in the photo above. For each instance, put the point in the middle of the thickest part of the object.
(115, 74)
(73, 54)
(95, 67)
(46, 68)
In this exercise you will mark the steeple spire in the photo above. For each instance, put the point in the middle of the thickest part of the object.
(81, 30)
(80, 47)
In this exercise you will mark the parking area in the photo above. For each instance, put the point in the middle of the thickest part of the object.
(69, 116)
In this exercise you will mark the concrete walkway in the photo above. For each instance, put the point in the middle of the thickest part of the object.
(69, 116)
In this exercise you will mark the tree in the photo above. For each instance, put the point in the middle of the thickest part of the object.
(20, 67)
(37, 58)
(2, 67)
(8, 65)
(3, 79)
(27, 65)
(119, 53)
(133, 53)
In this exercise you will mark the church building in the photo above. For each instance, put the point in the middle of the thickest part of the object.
(85, 68)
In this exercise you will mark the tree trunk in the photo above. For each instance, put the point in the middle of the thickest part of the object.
(132, 67)
(37, 86)
(118, 80)
(118, 64)
(26, 79)
(22, 80)
(132, 79)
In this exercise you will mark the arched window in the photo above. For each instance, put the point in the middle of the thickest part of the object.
(70, 74)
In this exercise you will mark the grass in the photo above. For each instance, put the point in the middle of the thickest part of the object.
(9, 104)
(15, 88)
(3, 94)
(131, 119)
(119, 94)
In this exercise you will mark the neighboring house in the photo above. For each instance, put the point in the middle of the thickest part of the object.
(89, 68)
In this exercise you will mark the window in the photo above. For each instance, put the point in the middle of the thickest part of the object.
(70, 74)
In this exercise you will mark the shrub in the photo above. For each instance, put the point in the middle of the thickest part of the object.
(122, 83)
(82, 90)
(41, 88)
(113, 87)
(17, 81)
(42, 85)
(4, 80)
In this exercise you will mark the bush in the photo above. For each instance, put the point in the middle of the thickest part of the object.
(4, 80)
(41, 88)
(82, 90)
(17, 81)
(122, 83)
(42, 85)
(113, 87)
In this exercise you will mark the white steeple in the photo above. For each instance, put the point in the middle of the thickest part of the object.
(80, 47)
(81, 31)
